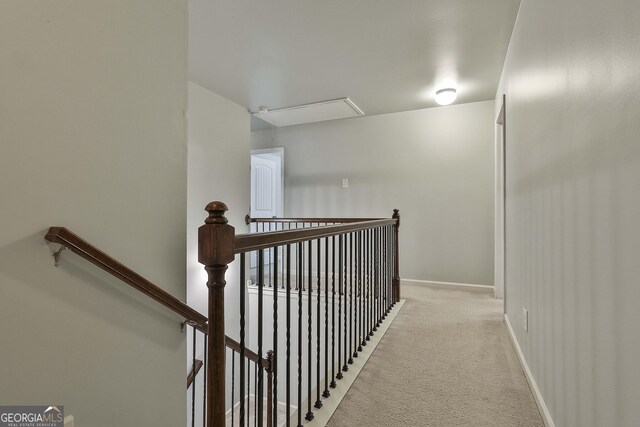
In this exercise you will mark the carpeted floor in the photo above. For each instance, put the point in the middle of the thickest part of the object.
(446, 361)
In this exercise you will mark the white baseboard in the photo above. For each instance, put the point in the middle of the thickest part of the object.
(432, 282)
(542, 406)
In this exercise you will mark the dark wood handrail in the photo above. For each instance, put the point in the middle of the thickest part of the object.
(95, 256)
(235, 345)
(252, 242)
(194, 372)
(248, 220)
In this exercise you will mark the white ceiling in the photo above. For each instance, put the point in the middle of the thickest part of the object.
(385, 55)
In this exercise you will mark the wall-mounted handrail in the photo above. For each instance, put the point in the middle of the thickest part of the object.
(252, 242)
(248, 354)
(86, 250)
(194, 372)
(89, 252)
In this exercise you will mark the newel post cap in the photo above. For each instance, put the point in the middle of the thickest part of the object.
(396, 215)
(216, 213)
(216, 237)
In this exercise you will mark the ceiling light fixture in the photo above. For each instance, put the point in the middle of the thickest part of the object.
(446, 96)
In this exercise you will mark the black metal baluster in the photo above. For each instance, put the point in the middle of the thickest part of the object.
(260, 389)
(367, 295)
(364, 288)
(288, 350)
(193, 383)
(345, 357)
(385, 252)
(249, 387)
(296, 247)
(386, 270)
(318, 403)
(269, 284)
(257, 373)
(242, 333)
(375, 280)
(204, 383)
(390, 257)
(369, 331)
(380, 276)
(351, 313)
(383, 272)
(340, 277)
(361, 341)
(392, 261)
(356, 296)
(372, 283)
(233, 384)
(299, 274)
(374, 300)
(326, 393)
(333, 312)
(274, 368)
(309, 415)
(302, 282)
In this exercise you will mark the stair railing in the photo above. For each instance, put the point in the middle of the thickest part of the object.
(193, 318)
(346, 269)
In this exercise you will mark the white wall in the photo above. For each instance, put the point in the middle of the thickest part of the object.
(435, 165)
(218, 169)
(93, 137)
(573, 205)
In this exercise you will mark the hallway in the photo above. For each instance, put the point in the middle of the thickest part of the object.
(446, 360)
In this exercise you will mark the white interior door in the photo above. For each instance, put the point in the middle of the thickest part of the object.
(266, 195)
(264, 188)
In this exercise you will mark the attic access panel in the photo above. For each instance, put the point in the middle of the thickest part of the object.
(309, 113)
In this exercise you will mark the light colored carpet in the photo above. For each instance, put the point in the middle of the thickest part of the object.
(445, 361)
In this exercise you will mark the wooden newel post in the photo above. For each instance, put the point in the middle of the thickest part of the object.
(216, 251)
(396, 258)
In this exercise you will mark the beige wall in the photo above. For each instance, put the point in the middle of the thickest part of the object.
(573, 205)
(218, 170)
(93, 137)
(218, 167)
(435, 165)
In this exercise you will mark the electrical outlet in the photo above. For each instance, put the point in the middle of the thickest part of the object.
(345, 182)
(525, 319)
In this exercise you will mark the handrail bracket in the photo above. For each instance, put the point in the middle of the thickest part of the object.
(56, 255)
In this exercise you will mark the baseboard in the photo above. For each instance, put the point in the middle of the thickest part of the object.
(542, 406)
(432, 282)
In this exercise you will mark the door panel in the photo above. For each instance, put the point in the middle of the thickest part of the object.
(263, 187)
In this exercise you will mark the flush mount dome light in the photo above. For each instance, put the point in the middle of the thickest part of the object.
(446, 96)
